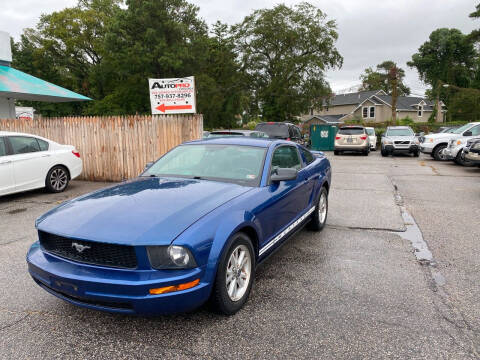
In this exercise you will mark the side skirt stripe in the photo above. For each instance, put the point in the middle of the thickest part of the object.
(286, 231)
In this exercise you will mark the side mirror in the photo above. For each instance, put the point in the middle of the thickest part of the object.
(283, 174)
(468, 133)
(148, 165)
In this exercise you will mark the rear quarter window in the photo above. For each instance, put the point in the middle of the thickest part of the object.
(307, 155)
(43, 145)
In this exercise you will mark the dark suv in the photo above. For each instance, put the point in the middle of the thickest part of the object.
(282, 130)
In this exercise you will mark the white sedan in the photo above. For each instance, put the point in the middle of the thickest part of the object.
(30, 162)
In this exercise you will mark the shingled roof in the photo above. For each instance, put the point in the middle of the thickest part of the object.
(352, 98)
(407, 103)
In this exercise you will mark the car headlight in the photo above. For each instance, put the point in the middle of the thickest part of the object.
(387, 142)
(170, 257)
(476, 146)
(416, 142)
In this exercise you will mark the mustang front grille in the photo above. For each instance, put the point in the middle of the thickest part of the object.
(89, 252)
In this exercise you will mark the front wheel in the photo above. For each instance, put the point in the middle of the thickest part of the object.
(384, 152)
(416, 154)
(235, 275)
(438, 153)
(57, 179)
(460, 159)
(319, 216)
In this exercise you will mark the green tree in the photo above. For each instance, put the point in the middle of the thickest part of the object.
(66, 48)
(448, 57)
(380, 78)
(284, 52)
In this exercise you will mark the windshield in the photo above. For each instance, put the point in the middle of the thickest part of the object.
(461, 129)
(274, 130)
(370, 132)
(230, 163)
(399, 132)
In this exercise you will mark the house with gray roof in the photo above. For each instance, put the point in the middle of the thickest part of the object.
(371, 106)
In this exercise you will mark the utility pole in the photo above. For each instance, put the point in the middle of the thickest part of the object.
(393, 75)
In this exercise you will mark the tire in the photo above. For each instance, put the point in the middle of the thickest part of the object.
(319, 216)
(416, 154)
(436, 152)
(57, 179)
(366, 152)
(460, 160)
(336, 152)
(384, 152)
(223, 300)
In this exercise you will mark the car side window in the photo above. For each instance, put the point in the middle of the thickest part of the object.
(43, 145)
(23, 144)
(475, 131)
(307, 155)
(3, 147)
(285, 157)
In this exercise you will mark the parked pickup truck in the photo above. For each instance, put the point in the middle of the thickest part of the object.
(434, 144)
(456, 145)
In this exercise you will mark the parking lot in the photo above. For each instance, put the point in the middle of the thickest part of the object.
(395, 274)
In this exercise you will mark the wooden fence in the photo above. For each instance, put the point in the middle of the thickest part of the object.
(114, 148)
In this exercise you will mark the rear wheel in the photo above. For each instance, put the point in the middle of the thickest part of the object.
(366, 152)
(57, 179)
(319, 216)
(416, 154)
(235, 275)
(336, 152)
(438, 153)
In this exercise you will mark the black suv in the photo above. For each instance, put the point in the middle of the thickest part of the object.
(282, 130)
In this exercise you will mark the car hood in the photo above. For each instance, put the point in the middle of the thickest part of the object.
(441, 136)
(143, 211)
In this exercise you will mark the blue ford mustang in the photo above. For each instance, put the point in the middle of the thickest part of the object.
(191, 227)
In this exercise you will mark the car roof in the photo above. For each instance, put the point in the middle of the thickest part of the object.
(12, 133)
(245, 141)
(276, 123)
(241, 131)
(399, 127)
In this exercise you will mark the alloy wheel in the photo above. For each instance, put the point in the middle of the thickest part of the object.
(238, 270)
(322, 208)
(58, 179)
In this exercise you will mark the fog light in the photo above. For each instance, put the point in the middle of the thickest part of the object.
(172, 288)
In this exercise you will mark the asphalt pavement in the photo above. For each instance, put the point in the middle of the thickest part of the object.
(362, 288)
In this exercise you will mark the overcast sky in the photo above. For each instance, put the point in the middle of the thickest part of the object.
(370, 31)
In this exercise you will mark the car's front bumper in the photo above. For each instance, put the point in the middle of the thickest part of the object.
(116, 290)
(451, 153)
(426, 148)
(473, 157)
(402, 149)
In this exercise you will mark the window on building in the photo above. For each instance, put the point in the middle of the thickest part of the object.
(368, 112)
(420, 111)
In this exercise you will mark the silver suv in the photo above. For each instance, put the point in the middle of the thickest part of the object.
(400, 139)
